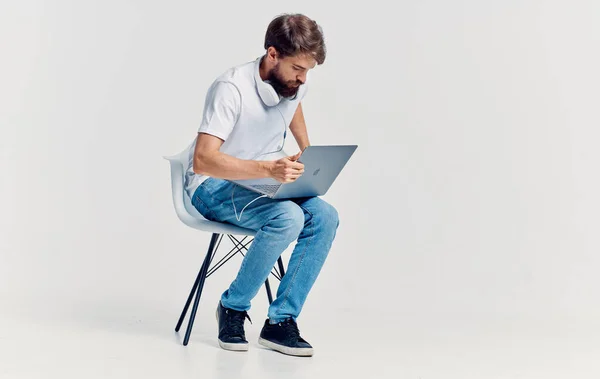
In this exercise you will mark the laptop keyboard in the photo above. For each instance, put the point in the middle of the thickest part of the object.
(269, 189)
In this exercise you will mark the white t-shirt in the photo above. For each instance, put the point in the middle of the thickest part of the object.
(234, 112)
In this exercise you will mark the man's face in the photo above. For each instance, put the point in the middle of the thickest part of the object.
(289, 74)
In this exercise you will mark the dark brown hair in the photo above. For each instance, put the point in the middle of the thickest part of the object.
(296, 34)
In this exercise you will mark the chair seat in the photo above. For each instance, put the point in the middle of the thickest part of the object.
(218, 227)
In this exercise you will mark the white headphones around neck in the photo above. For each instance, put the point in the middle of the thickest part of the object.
(268, 94)
(265, 90)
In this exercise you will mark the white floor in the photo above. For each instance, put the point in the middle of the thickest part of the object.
(111, 343)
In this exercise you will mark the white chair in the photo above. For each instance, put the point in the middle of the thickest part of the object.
(188, 214)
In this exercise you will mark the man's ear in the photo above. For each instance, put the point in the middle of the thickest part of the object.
(273, 54)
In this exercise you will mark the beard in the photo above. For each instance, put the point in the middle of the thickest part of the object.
(282, 87)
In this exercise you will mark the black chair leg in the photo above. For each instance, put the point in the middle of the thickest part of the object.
(189, 300)
(197, 289)
(281, 270)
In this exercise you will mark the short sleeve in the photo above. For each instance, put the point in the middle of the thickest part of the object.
(221, 110)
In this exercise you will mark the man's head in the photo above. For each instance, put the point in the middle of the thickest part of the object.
(294, 45)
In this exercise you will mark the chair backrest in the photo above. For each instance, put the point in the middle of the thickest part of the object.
(181, 201)
(184, 208)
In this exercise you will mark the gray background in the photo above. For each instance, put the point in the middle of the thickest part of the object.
(469, 213)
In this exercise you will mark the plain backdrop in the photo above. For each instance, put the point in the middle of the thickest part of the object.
(469, 212)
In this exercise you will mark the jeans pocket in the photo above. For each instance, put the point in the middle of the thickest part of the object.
(212, 185)
(209, 197)
(203, 209)
(215, 191)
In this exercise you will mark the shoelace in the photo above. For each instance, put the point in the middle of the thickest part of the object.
(236, 322)
(291, 329)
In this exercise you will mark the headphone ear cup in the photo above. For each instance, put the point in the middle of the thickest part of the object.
(268, 94)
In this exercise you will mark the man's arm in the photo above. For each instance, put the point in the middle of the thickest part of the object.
(298, 128)
(208, 160)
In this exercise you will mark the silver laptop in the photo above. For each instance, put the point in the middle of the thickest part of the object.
(322, 165)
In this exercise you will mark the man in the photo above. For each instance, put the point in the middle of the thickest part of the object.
(246, 113)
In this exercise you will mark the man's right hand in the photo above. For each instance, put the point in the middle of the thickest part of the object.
(287, 170)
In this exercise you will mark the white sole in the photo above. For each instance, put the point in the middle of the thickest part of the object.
(233, 346)
(297, 352)
(226, 345)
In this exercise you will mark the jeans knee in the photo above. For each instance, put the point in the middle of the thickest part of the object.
(290, 221)
(327, 217)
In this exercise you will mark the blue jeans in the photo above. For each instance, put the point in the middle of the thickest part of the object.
(311, 221)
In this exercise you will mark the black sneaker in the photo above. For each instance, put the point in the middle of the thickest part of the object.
(284, 337)
(231, 328)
